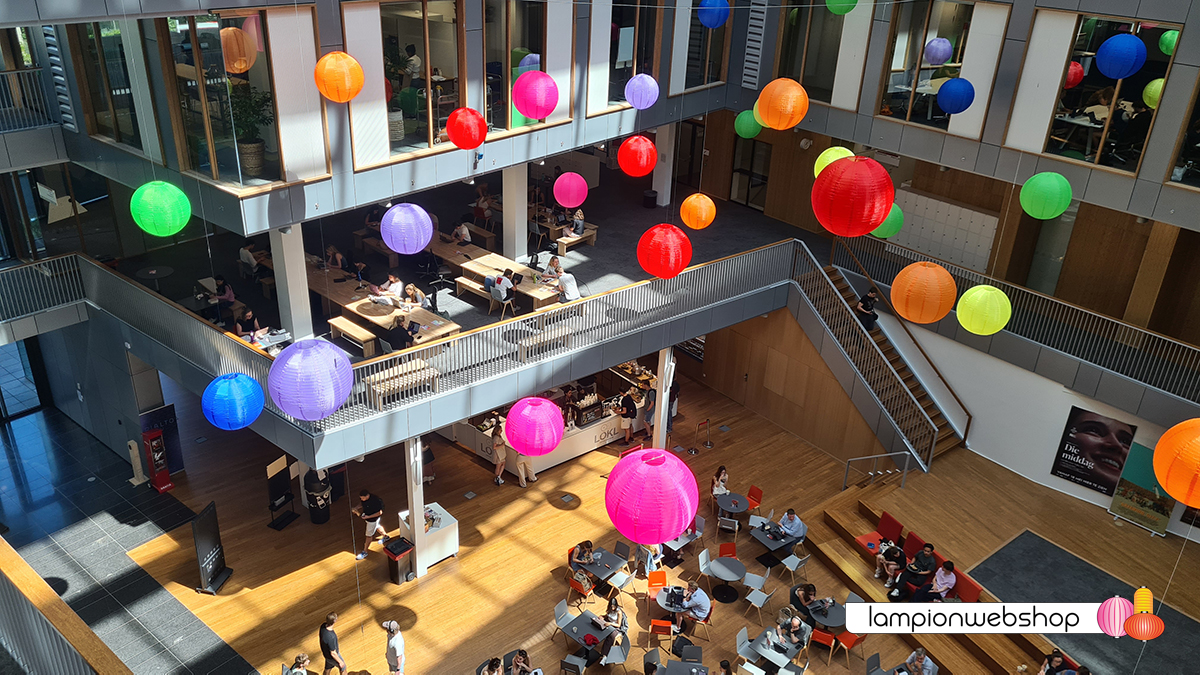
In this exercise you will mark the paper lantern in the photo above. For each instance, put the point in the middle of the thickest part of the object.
(651, 496)
(534, 426)
(535, 94)
(713, 13)
(1046, 195)
(570, 190)
(388, 92)
(1177, 462)
(339, 77)
(746, 125)
(757, 117)
(1121, 56)
(406, 229)
(698, 211)
(923, 292)
(840, 7)
(955, 95)
(253, 28)
(530, 61)
(891, 225)
(637, 156)
(1144, 626)
(466, 128)
(1112, 615)
(1167, 41)
(984, 310)
(852, 196)
(641, 91)
(310, 379)
(160, 208)
(1153, 92)
(238, 50)
(784, 103)
(938, 51)
(664, 251)
(830, 155)
(1074, 75)
(232, 401)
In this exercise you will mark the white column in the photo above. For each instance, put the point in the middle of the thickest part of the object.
(416, 505)
(664, 171)
(291, 281)
(662, 405)
(516, 211)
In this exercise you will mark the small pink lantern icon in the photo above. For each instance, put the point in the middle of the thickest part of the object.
(1112, 615)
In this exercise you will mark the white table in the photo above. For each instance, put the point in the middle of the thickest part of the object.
(441, 541)
(1078, 121)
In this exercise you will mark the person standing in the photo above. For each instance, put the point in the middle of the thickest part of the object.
(650, 394)
(524, 468)
(370, 510)
(499, 450)
(395, 648)
(866, 309)
(628, 415)
(329, 646)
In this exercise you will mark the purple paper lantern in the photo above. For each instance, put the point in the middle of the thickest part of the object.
(310, 379)
(570, 190)
(534, 426)
(1112, 615)
(530, 61)
(938, 51)
(641, 91)
(651, 496)
(535, 94)
(406, 229)
(1120, 56)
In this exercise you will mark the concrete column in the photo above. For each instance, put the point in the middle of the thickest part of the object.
(516, 211)
(291, 281)
(416, 505)
(662, 406)
(664, 171)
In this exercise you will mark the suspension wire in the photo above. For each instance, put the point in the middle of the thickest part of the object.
(1162, 600)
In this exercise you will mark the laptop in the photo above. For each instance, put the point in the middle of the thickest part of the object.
(517, 279)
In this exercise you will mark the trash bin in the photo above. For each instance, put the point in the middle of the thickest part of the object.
(650, 199)
(317, 490)
(397, 548)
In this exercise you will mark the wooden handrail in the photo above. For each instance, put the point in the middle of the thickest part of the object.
(63, 618)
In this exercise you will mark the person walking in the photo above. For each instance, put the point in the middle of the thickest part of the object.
(395, 648)
(866, 309)
(329, 646)
(370, 510)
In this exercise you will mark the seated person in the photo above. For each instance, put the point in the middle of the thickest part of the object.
(792, 526)
(889, 562)
(250, 257)
(374, 217)
(483, 200)
(414, 296)
(224, 297)
(614, 618)
(553, 268)
(652, 554)
(522, 666)
(581, 555)
(696, 606)
(794, 631)
(568, 290)
(918, 570)
(462, 234)
(247, 327)
(917, 663)
(494, 667)
(502, 287)
(1098, 104)
(1054, 664)
(651, 669)
(724, 668)
(943, 581)
(299, 666)
(577, 224)
(803, 596)
(390, 287)
(335, 259)
(404, 335)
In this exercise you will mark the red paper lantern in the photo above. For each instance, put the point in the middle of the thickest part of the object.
(664, 251)
(1074, 75)
(637, 156)
(1144, 626)
(466, 128)
(388, 92)
(852, 196)
(339, 77)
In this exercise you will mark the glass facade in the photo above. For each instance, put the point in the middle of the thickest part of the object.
(808, 49)
(527, 21)
(912, 81)
(424, 75)
(103, 66)
(705, 54)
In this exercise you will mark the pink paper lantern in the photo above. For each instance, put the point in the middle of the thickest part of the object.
(651, 496)
(254, 29)
(1112, 615)
(570, 190)
(534, 426)
(535, 94)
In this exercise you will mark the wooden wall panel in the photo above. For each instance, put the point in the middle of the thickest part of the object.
(1177, 311)
(789, 185)
(979, 191)
(1016, 240)
(719, 138)
(1151, 274)
(1102, 260)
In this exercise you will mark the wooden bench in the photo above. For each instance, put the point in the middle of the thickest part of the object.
(340, 326)
(466, 284)
(268, 285)
(541, 342)
(235, 309)
(359, 236)
(404, 379)
(482, 237)
(381, 248)
(568, 240)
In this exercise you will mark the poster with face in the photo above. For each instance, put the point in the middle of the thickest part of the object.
(1093, 450)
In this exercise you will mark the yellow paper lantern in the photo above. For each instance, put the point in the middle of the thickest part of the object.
(923, 292)
(829, 156)
(238, 49)
(984, 310)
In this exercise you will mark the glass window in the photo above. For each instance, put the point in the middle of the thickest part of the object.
(912, 82)
(1100, 120)
(527, 20)
(621, 58)
(495, 39)
(706, 54)
(423, 74)
(15, 51)
(811, 40)
(108, 96)
(644, 60)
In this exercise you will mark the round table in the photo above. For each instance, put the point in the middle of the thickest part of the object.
(154, 273)
(731, 502)
(662, 600)
(834, 618)
(726, 569)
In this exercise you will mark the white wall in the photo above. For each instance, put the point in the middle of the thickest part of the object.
(297, 101)
(560, 26)
(852, 54)
(599, 45)
(1046, 56)
(988, 23)
(679, 44)
(368, 111)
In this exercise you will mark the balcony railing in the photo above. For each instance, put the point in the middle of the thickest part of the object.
(23, 102)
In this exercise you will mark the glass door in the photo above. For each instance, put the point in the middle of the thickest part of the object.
(689, 156)
(751, 164)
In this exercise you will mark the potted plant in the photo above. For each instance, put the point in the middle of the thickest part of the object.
(395, 62)
(251, 109)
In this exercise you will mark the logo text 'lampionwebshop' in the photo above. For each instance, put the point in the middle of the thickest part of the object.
(975, 617)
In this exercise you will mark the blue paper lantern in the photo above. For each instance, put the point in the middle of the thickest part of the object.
(938, 51)
(1121, 56)
(406, 229)
(641, 91)
(713, 13)
(232, 401)
(310, 379)
(955, 96)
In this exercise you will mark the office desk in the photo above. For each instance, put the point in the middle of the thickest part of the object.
(539, 294)
(454, 255)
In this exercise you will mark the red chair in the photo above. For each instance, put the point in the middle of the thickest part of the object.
(728, 550)
(913, 543)
(481, 213)
(576, 587)
(570, 572)
(965, 589)
(706, 623)
(754, 497)
(889, 528)
(661, 629)
(823, 638)
(847, 641)
(655, 582)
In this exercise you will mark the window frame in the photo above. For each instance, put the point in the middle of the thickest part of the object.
(782, 29)
(76, 39)
(724, 77)
(642, 5)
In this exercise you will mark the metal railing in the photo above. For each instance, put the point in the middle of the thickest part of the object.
(39, 286)
(875, 473)
(898, 403)
(1139, 354)
(23, 102)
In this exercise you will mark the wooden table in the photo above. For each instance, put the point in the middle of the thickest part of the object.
(454, 255)
(538, 293)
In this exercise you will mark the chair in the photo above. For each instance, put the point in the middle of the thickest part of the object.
(853, 597)
(700, 522)
(691, 654)
(728, 550)
(745, 650)
(480, 213)
(755, 582)
(889, 528)
(705, 561)
(847, 641)
(618, 582)
(751, 669)
(536, 230)
(795, 564)
(759, 521)
(655, 582)
(562, 618)
(621, 549)
(651, 657)
(508, 304)
(758, 600)
(659, 628)
(619, 653)
(570, 572)
(823, 638)
(572, 665)
(754, 496)
(706, 623)
(912, 544)
(728, 524)
(873, 666)
(585, 593)
(508, 659)
(244, 270)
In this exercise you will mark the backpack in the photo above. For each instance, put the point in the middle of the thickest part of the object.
(679, 644)
(583, 579)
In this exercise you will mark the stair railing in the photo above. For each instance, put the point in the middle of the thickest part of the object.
(875, 473)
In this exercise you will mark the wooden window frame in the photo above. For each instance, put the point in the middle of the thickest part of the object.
(724, 76)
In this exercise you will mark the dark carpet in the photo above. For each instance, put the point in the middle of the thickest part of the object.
(1032, 569)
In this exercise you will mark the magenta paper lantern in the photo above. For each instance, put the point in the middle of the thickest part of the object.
(651, 496)
(253, 28)
(310, 379)
(534, 426)
(535, 94)
(570, 190)
(1112, 615)
(641, 91)
(406, 229)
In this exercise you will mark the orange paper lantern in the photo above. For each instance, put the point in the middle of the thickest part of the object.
(924, 292)
(339, 77)
(1177, 462)
(239, 50)
(698, 211)
(782, 104)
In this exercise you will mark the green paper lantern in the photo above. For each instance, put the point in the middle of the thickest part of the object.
(1046, 195)
(410, 101)
(1153, 92)
(757, 118)
(793, 16)
(1089, 25)
(891, 225)
(1167, 42)
(828, 156)
(1075, 154)
(160, 209)
(984, 310)
(745, 125)
(840, 7)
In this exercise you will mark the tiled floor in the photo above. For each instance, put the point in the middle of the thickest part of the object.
(73, 516)
(20, 394)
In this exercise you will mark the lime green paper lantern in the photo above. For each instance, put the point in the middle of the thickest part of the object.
(984, 310)
(757, 118)
(745, 125)
(1153, 92)
(1167, 42)
(1046, 195)
(840, 7)
(160, 209)
(830, 155)
(793, 16)
(891, 225)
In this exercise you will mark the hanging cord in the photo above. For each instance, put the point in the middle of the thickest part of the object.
(354, 549)
(1162, 600)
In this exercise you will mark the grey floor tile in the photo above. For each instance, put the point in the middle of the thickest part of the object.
(139, 586)
(158, 608)
(100, 610)
(160, 663)
(138, 649)
(110, 569)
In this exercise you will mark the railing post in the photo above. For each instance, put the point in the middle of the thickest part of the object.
(904, 478)
(846, 477)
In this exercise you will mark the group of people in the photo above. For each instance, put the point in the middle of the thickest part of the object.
(328, 639)
(628, 411)
(932, 582)
(500, 450)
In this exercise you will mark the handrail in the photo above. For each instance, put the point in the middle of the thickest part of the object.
(872, 473)
(904, 324)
